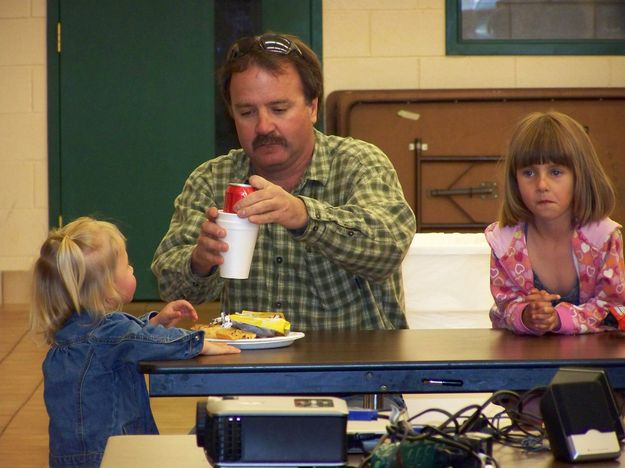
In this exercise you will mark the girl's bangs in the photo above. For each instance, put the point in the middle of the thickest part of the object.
(544, 148)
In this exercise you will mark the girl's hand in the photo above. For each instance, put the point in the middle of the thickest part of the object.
(211, 348)
(539, 315)
(173, 312)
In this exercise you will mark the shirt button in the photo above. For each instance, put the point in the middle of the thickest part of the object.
(278, 259)
(277, 304)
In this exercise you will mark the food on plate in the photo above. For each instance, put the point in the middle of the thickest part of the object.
(264, 324)
(216, 331)
(246, 326)
(269, 315)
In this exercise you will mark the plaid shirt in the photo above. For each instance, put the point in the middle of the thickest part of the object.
(342, 271)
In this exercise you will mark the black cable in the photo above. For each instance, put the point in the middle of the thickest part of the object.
(513, 426)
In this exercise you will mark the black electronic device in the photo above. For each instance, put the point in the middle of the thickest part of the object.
(273, 431)
(581, 417)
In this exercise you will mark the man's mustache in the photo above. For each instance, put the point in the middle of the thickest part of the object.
(269, 139)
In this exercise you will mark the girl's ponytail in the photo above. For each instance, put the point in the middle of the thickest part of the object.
(70, 263)
(75, 273)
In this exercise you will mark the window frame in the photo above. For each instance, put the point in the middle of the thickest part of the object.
(455, 45)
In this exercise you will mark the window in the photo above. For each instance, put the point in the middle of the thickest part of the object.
(535, 27)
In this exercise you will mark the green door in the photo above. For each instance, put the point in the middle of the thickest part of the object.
(135, 91)
(131, 97)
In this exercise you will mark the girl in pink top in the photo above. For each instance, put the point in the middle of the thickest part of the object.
(557, 258)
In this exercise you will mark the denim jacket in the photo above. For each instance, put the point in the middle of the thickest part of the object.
(92, 386)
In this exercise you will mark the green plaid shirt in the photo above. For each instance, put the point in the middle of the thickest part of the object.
(342, 272)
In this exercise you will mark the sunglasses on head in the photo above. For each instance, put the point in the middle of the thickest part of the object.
(270, 43)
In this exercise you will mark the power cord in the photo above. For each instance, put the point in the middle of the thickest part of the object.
(464, 438)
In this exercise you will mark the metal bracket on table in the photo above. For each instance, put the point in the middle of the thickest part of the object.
(485, 190)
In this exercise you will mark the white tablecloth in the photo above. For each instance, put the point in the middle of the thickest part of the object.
(446, 281)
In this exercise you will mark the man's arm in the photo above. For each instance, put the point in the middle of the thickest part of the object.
(365, 226)
(172, 260)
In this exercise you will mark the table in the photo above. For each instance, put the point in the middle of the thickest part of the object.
(181, 450)
(401, 361)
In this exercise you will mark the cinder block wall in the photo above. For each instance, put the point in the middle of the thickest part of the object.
(400, 44)
(368, 44)
(23, 143)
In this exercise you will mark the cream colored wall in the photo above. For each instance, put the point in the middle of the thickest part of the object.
(23, 143)
(367, 44)
(400, 44)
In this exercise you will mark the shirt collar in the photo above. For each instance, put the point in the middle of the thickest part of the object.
(242, 168)
(319, 168)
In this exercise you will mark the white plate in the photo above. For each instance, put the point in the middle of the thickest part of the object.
(262, 343)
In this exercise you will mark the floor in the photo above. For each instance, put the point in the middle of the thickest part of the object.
(23, 417)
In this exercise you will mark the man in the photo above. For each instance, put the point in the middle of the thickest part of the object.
(334, 224)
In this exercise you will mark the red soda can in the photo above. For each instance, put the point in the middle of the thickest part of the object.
(234, 193)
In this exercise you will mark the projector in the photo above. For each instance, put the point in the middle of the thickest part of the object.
(273, 431)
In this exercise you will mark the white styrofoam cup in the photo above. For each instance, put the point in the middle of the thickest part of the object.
(241, 239)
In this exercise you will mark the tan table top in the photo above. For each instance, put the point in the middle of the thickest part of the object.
(163, 451)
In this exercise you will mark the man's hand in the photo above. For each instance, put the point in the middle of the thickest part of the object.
(270, 203)
(207, 251)
(539, 315)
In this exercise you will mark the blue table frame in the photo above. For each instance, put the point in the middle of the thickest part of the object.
(398, 361)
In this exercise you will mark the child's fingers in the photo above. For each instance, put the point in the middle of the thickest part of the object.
(185, 309)
(547, 296)
(226, 348)
(541, 296)
(219, 348)
(232, 349)
(192, 314)
(543, 311)
(535, 296)
(538, 313)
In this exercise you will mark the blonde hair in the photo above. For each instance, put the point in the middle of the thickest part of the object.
(75, 273)
(553, 137)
